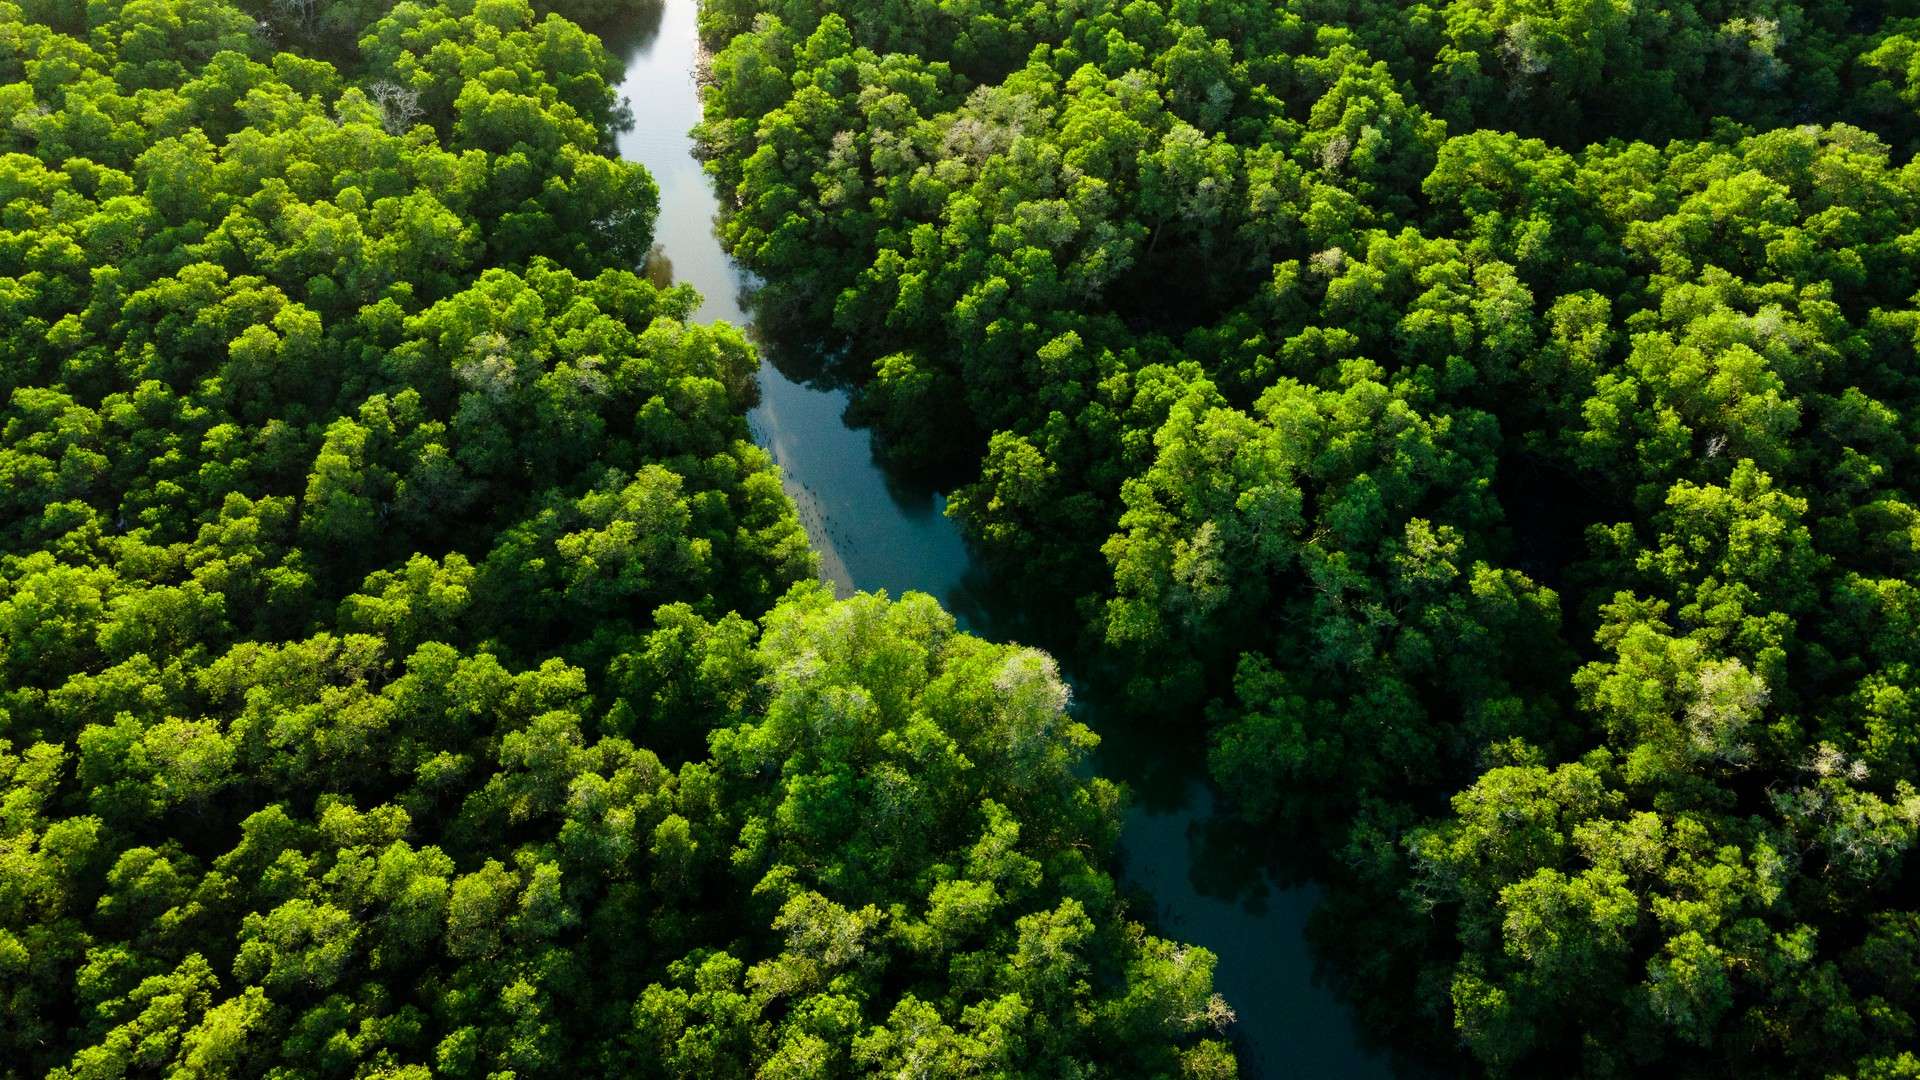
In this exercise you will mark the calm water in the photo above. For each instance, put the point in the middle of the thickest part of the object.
(875, 532)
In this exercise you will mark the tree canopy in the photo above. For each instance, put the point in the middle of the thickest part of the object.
(409, 666)
(1493, 421)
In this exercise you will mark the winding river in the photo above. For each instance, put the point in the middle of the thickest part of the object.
(875, 532)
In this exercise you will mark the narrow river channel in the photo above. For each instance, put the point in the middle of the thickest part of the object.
(874, 532)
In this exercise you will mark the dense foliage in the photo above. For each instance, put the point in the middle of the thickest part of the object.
(1502, 413)
(409, 667)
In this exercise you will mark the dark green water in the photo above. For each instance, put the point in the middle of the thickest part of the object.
(876, 532)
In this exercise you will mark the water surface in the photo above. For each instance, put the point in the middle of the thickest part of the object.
(877, 532)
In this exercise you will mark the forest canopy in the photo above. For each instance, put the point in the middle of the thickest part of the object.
(1491, 423)
(409, 666)
(1494, 422)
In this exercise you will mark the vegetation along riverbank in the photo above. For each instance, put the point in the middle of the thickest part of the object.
(1489, 425)
(410, 666)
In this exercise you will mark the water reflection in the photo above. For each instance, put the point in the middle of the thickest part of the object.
(658, 268)
(633, 32)
(1208, 876)
(792, 345)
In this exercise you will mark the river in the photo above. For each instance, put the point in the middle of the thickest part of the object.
(876, 532)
